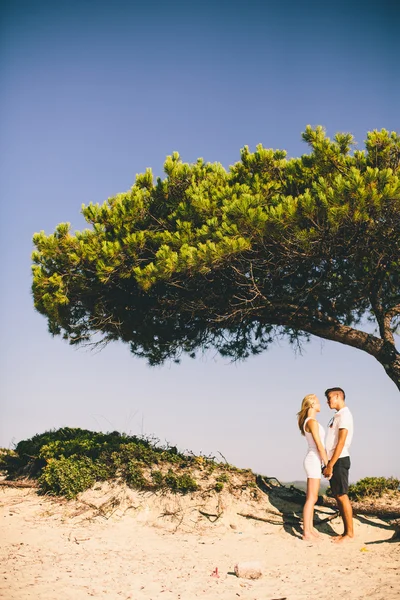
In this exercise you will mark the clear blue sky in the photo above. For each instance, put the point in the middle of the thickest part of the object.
(93, 93)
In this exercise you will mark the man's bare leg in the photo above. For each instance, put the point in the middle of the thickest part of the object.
(346, 513)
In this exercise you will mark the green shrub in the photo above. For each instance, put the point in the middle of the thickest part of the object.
(32, 446)
(158, 478)
(219, 486)
(372, 487)
(88, 447)
(138, 451)
(133, 475)
(14, 465)
(211, 466)
(223, 478)
(67, 476)
(32, 454)
(69, 460)
(180, 483)
(7, 457)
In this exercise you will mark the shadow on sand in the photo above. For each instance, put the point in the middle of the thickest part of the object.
(395, 527)
(289, 502)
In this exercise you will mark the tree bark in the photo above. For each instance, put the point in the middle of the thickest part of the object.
(384, 351)
(390, 361)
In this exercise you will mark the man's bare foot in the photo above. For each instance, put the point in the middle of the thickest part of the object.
(343, 538)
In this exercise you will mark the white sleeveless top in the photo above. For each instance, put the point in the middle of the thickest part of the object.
(310, 440)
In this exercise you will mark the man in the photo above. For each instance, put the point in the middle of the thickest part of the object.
(338, 440)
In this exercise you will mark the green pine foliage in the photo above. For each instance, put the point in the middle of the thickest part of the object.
(231, 259)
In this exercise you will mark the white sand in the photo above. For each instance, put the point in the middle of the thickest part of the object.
(57, 550)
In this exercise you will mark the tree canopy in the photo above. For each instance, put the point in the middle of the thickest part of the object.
(231, 259)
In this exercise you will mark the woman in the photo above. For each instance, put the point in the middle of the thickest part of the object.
(315, 458)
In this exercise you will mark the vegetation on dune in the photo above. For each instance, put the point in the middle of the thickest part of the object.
(370, 488)
(373, 487)
(232, 259)
(68, 461)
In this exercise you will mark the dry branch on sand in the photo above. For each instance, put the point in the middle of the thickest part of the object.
(18, 484)
(386, 507)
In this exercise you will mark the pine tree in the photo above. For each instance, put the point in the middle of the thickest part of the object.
(232, 259)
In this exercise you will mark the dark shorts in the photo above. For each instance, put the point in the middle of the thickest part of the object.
(339, 481)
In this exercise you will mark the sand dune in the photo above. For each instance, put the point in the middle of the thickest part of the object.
(115, 543)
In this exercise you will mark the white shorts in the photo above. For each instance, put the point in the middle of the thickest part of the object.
(312, 465)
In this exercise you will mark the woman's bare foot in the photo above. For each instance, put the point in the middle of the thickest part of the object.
(316, 534)
(309, 537)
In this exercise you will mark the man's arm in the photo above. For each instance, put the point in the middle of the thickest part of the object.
(337, 452)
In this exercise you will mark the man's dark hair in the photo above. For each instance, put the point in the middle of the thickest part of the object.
(335, 389)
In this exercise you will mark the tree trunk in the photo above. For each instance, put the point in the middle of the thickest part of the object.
(384, 351)
(390, 361)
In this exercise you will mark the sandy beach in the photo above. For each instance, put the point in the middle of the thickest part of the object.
(113, 542)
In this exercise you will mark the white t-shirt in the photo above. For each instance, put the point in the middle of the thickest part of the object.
(343, 419)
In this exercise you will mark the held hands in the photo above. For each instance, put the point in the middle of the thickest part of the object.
(327, 471)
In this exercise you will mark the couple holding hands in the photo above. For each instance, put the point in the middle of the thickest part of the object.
(327, 455)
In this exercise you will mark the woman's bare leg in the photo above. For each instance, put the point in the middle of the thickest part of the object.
(308, 511)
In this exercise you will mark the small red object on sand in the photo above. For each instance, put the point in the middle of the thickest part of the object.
(215, 572)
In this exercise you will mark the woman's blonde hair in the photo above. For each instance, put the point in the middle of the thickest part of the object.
(308, 402)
